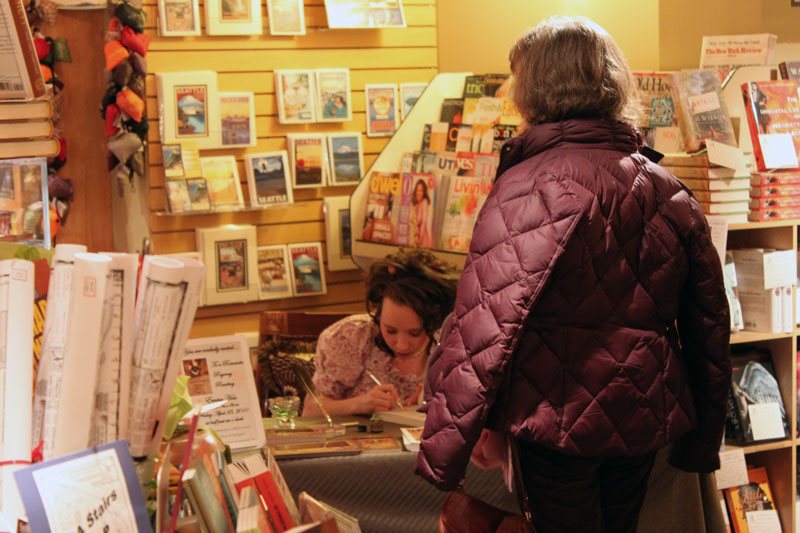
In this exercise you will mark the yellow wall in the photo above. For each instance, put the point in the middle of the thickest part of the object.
(475, 35)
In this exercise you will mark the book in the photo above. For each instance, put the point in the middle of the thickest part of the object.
(741, 195)
(733, 218)
(775, 202)
(726, 207)
(701, 109)
(408, 416)
(765, 215)
(701, 184)
(710, 173)
(205, 492)
(253, 519)
(760, 272)
(789, 70)
(253, 471)
(26, 110)
(683, 159)
(312, 509)
(21, 76)
(755, 496)
(658, 109)
(773, 117)
(761, 179)
(770, 191)
(758, 406)
(29, 148)
(732, 292)
(27, 129)
(411, 438)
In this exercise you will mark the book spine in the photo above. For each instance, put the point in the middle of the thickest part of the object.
(733, 416)
(763, 215)
(752, 124)
(783, 70)
(787, 309)
(775, 179)
(773, 202)
(30, 56)
(277, 508)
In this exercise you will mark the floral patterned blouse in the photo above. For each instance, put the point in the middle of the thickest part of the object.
(345, 350)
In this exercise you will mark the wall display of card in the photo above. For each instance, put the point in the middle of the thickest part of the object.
(295, 92)
(333, 95)
(307, 159)
(240, 17)
(365, 14)
(274, 280)
(222, 180)
(229, 253)
(177, 196)
(286, 17)
(181, 160)
(268, 179)
(337, 232)
(189, 107)
(409, 94)
(237, 114)
(308, 275)
(178, 17)
(381, 106)
(346, 158)
(23, 190)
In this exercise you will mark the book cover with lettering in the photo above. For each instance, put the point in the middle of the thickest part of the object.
(465, 197)
(773, 116)
(381, 211)
(423, 197)
(657, 107)
(701, 109)
(473, 91)
(452, 109)
(756, 495)
(790, 70)
(219, 369)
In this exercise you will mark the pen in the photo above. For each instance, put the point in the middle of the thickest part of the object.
(378, 383)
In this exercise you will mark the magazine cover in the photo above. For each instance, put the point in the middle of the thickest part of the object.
(702, 113)
(380, 214)
(222, 180)
(381, 106)
(773, 116)
(238, 119)
(404, 209)
(295, 92)
(268, 179)
(420, 223)
(308, 276)
(333, 95)
(656, 106)
(465, 198)
(273, 272)
(346, 158)
(307, 159)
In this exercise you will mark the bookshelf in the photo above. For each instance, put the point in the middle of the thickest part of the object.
(778, 457)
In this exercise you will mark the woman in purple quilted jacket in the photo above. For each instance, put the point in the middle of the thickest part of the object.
(591, 327)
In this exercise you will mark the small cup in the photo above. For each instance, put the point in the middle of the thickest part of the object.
(284, 409)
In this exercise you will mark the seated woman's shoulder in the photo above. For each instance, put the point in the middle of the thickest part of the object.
(349, 326)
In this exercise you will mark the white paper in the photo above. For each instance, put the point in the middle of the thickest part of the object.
(71, 489)
(219, 369)
(110, 416)
(763, 521)
(72, 415)
(54, 335)
(726, 156)
(169, 290)
(16, 377)
(778, 150)
(732, 470)
(719, 235)
(766, 421)
(668, 140)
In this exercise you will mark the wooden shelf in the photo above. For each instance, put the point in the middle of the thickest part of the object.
(763, 225)
(741, 337)
(763, 446)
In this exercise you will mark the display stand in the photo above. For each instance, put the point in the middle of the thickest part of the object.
(407, 138)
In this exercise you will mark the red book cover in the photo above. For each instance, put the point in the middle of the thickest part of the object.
(755, 496)
(775, 202)
(774, 213)
(773, 116)
(768, 191)
(762, 179)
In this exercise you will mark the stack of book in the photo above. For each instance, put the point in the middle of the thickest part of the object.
(721, 191)
(765, 279)
(774, 196)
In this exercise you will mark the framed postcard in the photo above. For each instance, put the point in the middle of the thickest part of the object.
(233, 17)
(294, 90)
(268, 179)
(178, 17)
(177, 196)
(198, 194)
(365, 14)
(308, 275)
(222, 180)
(333, 95)
(286, 17)
(337, 232)
(346, 158)
(274, 280)
(409, 94)
(189, 106)
(381, 107)
(229, 254)
(307, 159)
(180, 160)
(237, 119)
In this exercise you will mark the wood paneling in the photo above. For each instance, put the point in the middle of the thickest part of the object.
(247, 63)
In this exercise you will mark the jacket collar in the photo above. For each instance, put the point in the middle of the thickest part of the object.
(584, 133)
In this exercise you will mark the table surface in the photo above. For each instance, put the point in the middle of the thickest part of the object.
(382, 491)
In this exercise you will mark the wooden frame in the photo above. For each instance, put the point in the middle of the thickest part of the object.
(269, 179)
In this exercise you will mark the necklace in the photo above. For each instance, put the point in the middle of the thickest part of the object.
(415, 354)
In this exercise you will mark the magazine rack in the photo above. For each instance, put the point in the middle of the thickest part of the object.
(407, 138)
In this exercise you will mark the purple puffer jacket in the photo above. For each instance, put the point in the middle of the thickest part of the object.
(591, 316)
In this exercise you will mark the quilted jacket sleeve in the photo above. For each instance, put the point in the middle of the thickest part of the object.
(520, 234)
(704, 329)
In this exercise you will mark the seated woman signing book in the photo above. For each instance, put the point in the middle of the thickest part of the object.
(408, 296)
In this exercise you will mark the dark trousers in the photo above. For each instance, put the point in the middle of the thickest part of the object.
(568, 494)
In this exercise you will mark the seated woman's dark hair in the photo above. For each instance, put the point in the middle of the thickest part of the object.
(416, 278)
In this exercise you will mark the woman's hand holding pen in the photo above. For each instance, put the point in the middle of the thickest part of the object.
(379, 398)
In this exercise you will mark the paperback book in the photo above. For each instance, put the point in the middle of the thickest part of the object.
(773, 116)
(701, 109)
